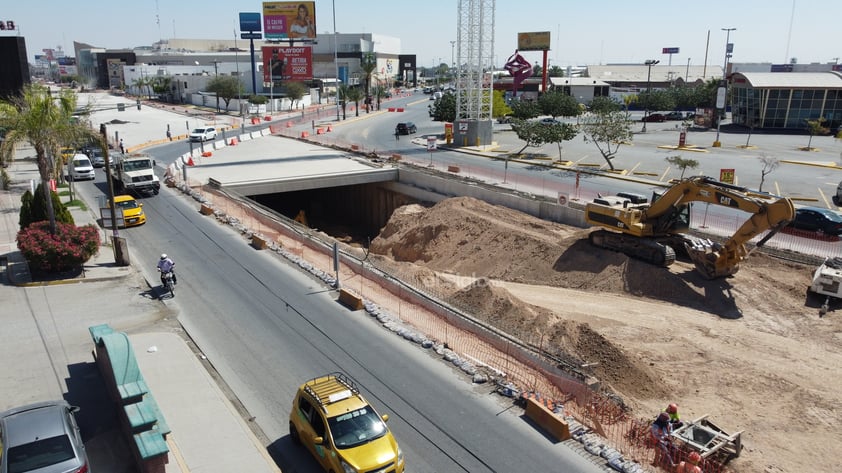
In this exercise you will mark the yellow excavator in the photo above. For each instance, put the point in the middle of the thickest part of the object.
(652, 231)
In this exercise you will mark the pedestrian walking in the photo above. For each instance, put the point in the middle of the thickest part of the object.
(169, 133)
(122, 148)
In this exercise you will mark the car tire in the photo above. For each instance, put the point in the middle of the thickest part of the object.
(293, 435)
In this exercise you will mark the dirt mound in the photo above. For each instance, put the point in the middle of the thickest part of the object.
(749, 350)
(576, 343)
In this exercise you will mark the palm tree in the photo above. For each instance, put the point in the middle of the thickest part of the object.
(368, 65)
(342, 96)
(46, 122)
(354, 94)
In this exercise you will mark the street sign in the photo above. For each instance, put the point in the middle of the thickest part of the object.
(250, 21)
(726, 176)
(431, 143)
(720, 97)
(251, 35)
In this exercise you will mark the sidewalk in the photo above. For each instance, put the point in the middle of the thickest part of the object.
(208, 433)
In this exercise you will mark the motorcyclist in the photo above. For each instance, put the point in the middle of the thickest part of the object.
(167, 265)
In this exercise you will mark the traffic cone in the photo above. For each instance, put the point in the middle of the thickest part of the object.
(329, 129)
(289, 123)
(233, 142)
(190, 161)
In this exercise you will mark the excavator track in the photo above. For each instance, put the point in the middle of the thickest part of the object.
(645, 249)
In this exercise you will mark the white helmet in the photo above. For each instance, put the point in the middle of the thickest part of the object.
(163, 256)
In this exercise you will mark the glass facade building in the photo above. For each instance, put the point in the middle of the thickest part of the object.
(786, 100)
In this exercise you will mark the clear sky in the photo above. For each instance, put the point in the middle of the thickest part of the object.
(582, 32)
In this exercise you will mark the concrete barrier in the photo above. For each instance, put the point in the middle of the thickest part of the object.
(547, 420)
(350, 300)
(259, 242)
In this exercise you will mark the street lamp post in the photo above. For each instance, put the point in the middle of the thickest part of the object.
(335, 62)
(649, 63)
(452, 60)
(724, 88)
(215, 75)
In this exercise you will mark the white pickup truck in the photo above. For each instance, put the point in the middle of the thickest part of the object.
(135, 173)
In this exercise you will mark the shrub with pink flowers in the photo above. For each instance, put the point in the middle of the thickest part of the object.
(69, 248)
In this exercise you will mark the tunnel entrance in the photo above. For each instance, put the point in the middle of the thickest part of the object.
(352, 214)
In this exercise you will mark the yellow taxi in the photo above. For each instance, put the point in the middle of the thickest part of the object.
(132, 210)
(340, 428)
(67, 154)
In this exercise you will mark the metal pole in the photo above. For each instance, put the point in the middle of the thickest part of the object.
(335, 61)
(724, 86)
(649, 63)
(687, 74)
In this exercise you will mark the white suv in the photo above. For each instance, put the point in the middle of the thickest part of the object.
(205, 133)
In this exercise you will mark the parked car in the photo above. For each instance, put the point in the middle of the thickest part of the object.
(97, 159)
(674, 116)
(332, 419)
(654, 117)
(205, 133)
(817, 219)
(132, 210)
(80, 168)
(405, 128)
(504, 119)
(549, 121)
(43, 438)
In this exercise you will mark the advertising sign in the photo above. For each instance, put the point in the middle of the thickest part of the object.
(249, 21)
(287, 63)
(726, 176)
(669, 51)
(538, 41)
(289, 20)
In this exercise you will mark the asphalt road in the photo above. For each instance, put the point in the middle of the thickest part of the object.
(266, 327)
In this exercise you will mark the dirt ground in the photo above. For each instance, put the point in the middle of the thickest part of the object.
(750, 351)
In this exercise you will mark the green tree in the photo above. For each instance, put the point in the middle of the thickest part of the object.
(555, 71)
(34, 208)
(368, 64)
(682, 163)
(537, 70)
(295, 91)
(657, 100)
(499, 107)
(444, 109)
(606, 104)
(816, 127)
(378, 92)
(524, 109)
(162, 85)
(45, 121)
(342, 96)
(558, 104)
(355, 94)
(225, 88)
(607, 131)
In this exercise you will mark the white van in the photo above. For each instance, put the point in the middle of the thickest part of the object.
(80, 168)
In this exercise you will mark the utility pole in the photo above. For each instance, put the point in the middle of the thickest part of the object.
(722, 93)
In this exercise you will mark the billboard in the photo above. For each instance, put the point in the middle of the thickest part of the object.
(669, 50)
(287, 63)
(289, 20)
(538, 41)
(249, 21)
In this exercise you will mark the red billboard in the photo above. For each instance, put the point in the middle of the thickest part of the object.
(287, 63)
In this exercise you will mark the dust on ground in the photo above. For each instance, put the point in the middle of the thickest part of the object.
(750, 350)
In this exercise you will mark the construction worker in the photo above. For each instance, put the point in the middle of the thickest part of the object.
(660, 438)
(691, 465)
(675, 419)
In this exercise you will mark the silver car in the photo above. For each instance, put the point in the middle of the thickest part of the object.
(42, 437)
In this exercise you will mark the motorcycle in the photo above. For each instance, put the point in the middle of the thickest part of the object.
(169, 285)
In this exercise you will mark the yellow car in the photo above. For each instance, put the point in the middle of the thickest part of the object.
(340, 428)
(132, 210)
(67, 154)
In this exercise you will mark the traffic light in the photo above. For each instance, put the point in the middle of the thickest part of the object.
(138, 104)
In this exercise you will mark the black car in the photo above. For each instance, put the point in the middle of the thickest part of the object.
(405, 128)
(817, 219)
(654, 117)
(674, 116)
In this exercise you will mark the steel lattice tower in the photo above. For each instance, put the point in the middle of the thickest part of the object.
(475, 60)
